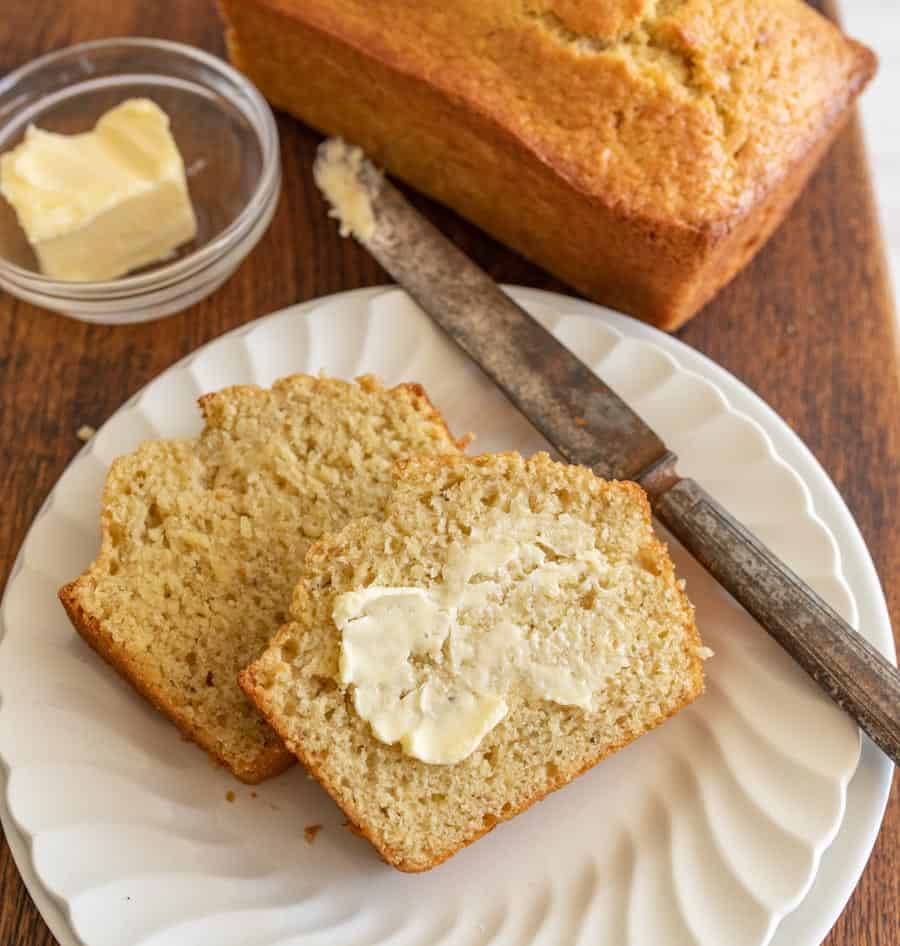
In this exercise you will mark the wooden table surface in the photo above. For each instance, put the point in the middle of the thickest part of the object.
(808, 326)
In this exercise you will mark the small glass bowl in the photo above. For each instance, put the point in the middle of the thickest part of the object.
(224, 130)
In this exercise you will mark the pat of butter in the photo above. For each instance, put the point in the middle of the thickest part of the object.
(432, 667)
(99, 204)
(382, 629)
(336, 173)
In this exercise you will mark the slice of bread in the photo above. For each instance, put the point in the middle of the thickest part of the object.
(203, 541)
(572, 563)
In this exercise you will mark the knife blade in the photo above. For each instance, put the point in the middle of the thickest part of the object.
(589, 424)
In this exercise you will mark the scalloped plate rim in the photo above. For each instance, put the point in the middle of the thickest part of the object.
(56, 910)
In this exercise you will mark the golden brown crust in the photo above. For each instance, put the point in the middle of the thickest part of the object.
(645, 155)
(733, 248)
(266, 766)
(426, 406)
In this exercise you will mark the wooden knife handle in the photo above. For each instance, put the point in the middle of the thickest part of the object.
(853, 673)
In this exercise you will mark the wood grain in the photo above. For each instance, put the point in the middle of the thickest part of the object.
(808, 325)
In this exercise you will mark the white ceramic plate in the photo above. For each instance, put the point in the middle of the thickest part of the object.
(708, 831)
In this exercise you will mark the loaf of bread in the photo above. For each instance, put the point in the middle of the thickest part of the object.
(641, 150)
(505, 626)
(203, 540)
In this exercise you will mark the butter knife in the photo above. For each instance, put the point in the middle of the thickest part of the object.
(591, 425)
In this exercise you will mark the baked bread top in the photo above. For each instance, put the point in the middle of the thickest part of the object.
(673, 110)
(203, 540)
(522, 570)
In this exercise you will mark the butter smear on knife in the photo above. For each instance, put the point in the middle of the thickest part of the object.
(336, 172)
(99, 204)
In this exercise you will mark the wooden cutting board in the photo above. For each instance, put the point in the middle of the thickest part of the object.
(809, 326)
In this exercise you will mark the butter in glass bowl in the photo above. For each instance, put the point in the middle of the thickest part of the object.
(105, 202)
(227, 142)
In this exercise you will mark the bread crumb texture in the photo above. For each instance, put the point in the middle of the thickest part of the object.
(418, 814)
(681, 109)
(203, 541)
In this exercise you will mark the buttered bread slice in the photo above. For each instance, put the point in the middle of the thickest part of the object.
(203, 541)
(504, 627)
